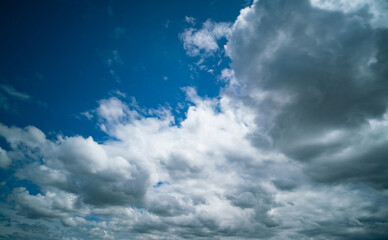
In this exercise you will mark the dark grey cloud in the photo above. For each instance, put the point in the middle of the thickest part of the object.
(314, 72)
(323, 63)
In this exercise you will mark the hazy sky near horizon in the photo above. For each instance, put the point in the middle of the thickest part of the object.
(262, 119)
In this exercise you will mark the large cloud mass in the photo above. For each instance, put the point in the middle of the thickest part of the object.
(321, 78)
(295, 147)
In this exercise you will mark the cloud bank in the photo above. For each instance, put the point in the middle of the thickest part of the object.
(295, 147)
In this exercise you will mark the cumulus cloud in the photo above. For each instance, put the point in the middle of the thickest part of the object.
(203, 178)
(320, 77)
(294, 147)
(50, 205)
(169, 175)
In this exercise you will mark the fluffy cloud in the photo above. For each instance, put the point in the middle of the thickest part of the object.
(202, 178)
(164, 176)
(319, 76)
(293, 148)
(204, 41)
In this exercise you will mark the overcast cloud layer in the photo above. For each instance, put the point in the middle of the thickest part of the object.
(295, 146)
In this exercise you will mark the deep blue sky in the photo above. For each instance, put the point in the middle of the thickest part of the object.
(57, 52)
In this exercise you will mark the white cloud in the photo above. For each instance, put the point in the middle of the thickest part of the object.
(30, 136)
(111, 109)
(190, 162)
(204, 41)
(190, 20)
(202, 177)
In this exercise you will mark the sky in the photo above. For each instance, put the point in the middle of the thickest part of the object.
(232, 119)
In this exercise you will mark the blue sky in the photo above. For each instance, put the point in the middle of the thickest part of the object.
(264, 119)
(58, 52)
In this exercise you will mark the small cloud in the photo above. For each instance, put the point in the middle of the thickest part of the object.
(166, 24)
(203, 42)
(87, 114)
(119, 94)
(165, 78)
(10, 97)
(112, 57)
(12, 92)
(111, 109)
(200, 61)
(117, 57)
(8, 94)
(115, 76)
(190, 20)
(112, 60)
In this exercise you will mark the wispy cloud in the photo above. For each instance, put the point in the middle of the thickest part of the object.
(190, 20)
(12, 92)
(8, 96)
(113, 60)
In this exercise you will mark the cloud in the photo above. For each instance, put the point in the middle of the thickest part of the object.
(112, 58)
(10, 98)
(376, 9)
(191, 180)
(78, 175)
(8, 94)
(319, 76)
(11, 91)
(4, 159)
(190, 20)
(204, 41)
(30, 136)
(294, 147)
(111, 109)
(50, 205)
